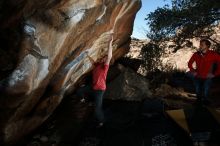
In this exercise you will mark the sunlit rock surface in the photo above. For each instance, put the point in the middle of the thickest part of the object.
(43, 53)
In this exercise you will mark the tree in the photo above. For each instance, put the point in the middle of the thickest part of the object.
(151, 53)
(184, 19)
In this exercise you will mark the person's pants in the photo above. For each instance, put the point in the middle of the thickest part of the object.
(202, 86)
(88, 91)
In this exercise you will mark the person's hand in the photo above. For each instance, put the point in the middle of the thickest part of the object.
(210, 75)
(111, 41)
(194, 73)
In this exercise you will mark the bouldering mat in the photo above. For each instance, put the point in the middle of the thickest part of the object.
(199, 121)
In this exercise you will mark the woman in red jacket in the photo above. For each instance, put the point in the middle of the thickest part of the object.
(204, 70)
(98, 86)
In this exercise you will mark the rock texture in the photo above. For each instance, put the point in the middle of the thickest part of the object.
(43, 54)
(127, 86)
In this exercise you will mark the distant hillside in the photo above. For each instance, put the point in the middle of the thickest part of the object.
(177, 60)
(135, 48)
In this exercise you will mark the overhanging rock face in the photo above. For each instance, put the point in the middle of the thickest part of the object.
(50, 53)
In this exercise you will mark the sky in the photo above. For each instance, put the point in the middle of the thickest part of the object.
(140, 25)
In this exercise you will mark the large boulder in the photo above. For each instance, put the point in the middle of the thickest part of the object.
(43, 53)
(127, 85)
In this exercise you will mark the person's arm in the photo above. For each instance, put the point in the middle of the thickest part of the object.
(217, 55)
(214, 65)
(190, 63)
(211, 73)
(109, 56)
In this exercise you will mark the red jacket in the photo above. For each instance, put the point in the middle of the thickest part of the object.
(205, 63)
(99, 75)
